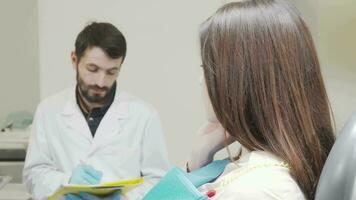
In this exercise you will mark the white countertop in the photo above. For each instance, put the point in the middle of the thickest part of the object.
(14, 191)
(14, 139)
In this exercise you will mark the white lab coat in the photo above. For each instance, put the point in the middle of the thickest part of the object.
(247, 180)
(128, 144)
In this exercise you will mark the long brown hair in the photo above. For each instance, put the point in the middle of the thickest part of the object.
(264, 81)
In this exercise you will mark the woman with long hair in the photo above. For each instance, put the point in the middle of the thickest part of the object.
(266, 91)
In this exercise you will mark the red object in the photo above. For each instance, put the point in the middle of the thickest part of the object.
(211, 193)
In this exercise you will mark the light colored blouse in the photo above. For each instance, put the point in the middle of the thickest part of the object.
(257, 175)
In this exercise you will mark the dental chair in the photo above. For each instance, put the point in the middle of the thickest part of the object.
(338, 178)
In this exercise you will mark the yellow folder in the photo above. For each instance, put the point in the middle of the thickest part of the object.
(102, 189)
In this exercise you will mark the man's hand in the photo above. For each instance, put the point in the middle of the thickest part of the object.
(85, 174)
(87, 196)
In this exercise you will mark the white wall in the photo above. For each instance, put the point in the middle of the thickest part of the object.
(162, 64)
(19, 72)
(337, 49)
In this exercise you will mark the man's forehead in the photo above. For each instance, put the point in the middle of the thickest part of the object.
(96, 56)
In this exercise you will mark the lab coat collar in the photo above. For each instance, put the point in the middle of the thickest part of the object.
(74, 118)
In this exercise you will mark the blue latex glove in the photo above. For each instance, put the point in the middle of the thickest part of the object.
(87, 196)
(85, 174)
(114, 196)
(72, 197)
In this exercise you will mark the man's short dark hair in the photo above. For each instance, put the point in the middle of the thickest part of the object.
(102, 35)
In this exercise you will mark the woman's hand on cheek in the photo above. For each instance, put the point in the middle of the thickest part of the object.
(210, 139)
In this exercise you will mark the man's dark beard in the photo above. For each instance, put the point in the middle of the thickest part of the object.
(84, 91)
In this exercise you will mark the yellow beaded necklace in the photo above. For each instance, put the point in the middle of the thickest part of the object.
(231, 177)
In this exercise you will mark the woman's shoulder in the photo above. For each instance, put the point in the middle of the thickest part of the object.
(260, 176)
(266, 183)
(261, 191)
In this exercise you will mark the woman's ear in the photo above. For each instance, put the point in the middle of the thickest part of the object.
(74, 59)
